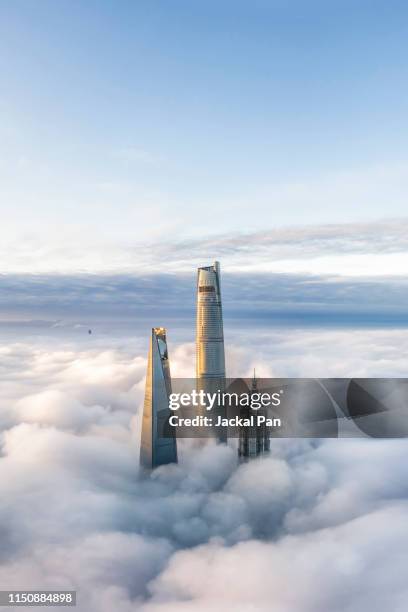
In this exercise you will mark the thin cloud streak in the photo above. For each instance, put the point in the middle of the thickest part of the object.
(353, 249)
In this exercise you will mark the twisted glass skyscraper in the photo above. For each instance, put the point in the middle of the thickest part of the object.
(210, 359)
(155, 448)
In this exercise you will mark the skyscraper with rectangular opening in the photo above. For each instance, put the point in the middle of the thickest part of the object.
(155, 448)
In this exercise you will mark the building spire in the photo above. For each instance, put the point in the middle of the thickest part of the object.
(254, 383)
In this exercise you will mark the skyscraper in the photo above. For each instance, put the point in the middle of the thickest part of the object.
(155, 449)
(210, 359)
(253, 441)
(209, 332)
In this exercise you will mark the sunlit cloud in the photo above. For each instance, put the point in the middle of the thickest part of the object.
(76, 515)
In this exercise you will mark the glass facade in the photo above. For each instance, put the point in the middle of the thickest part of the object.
(155, 449)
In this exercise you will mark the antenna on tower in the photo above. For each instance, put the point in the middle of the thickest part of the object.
(254, 385)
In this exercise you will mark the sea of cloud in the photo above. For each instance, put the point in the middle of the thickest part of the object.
(315, 527)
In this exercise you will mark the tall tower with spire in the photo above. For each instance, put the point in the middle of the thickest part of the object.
(253, 441)
(155, 448)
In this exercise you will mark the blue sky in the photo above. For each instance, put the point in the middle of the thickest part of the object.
(123, 121)
(139, 137)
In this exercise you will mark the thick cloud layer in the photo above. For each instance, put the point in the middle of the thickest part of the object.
(313, 527)
(115, 303)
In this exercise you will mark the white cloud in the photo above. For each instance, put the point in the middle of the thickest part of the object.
(374, 248)
(354, 567)
(314, 527)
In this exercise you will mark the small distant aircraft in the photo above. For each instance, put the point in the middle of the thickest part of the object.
(89, 331)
